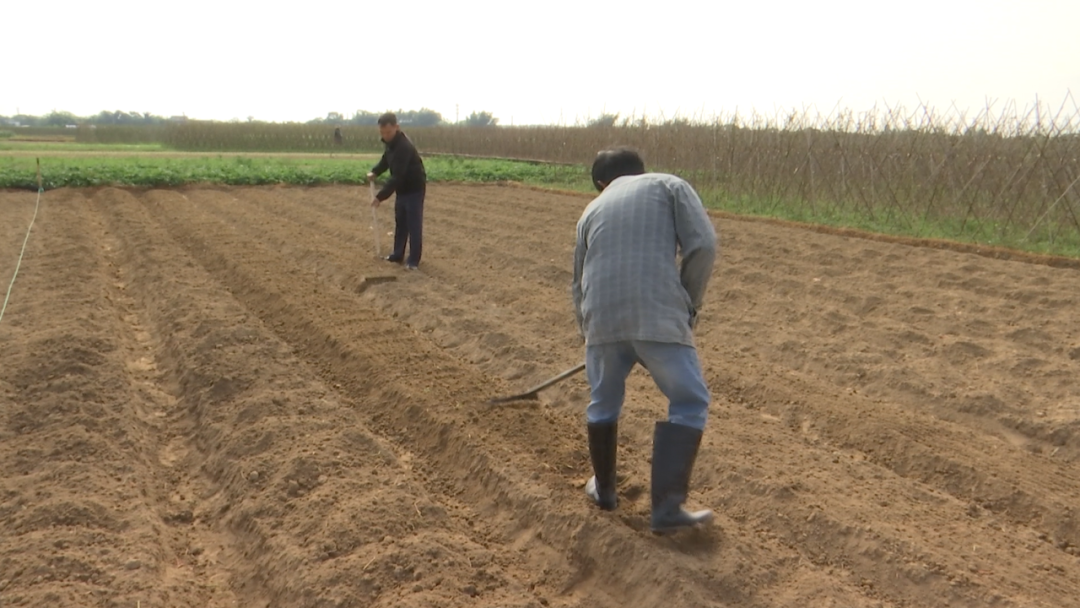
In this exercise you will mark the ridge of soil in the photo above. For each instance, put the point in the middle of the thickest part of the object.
(199, 406)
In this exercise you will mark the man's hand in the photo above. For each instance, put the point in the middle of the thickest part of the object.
(370, 177)
(375, 202)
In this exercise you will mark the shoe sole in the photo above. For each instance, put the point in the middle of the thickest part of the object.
(705, 519)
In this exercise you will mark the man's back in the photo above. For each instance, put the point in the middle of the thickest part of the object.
(634, 306)
(628, 238)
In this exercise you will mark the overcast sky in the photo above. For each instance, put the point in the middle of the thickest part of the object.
(532, 62)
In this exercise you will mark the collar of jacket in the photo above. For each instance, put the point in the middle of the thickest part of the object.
(396, 140)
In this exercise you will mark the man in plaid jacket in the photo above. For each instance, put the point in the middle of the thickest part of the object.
(635, 304)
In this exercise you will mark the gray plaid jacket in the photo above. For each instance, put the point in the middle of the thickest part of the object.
(628, 284)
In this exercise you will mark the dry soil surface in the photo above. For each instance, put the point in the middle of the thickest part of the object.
(203, 403)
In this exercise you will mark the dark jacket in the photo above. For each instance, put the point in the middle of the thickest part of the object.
(407, 174)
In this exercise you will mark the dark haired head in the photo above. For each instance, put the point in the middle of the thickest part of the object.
(613, 163)
(388, 119)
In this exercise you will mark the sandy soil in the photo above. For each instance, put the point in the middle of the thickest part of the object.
(199, 406)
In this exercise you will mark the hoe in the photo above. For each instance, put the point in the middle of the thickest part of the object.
(531, 394)
(374, 280)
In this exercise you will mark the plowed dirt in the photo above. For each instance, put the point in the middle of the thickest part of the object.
(200, 406)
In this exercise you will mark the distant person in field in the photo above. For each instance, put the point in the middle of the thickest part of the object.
(337, 136)
(409, 181)
(635, 304)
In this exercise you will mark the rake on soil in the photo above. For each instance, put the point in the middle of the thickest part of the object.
(532, 393)
(368, 281)
(375, 222)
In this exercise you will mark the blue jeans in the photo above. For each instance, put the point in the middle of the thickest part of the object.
(674, 367)
(409, 226)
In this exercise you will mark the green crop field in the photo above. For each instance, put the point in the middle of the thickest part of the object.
(1007, 180)
(166, 169)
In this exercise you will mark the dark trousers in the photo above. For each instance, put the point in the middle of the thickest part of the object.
(409, 226)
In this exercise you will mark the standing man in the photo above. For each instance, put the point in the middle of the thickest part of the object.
(409, 180)
(634, 304)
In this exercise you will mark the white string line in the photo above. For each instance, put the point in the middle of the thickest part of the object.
(19, 263)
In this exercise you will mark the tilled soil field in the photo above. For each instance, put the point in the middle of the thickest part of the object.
(203, 403)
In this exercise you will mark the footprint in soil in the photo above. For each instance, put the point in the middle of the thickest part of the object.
(694, 541)
(633, 493)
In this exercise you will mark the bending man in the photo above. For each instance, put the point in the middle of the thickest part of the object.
(634, 304)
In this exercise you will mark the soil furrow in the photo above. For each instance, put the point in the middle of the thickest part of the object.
(319, 511)
(495, 457)
(869, 446)
(486, 329)
(236, 218)
(932, 345)
(906, 456)
(84, 506)
(196, 371)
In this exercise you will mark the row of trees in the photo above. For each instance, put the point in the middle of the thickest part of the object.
(105, 117)
(416, 118)
(363, 118)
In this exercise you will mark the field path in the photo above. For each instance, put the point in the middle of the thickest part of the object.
(200, 406)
